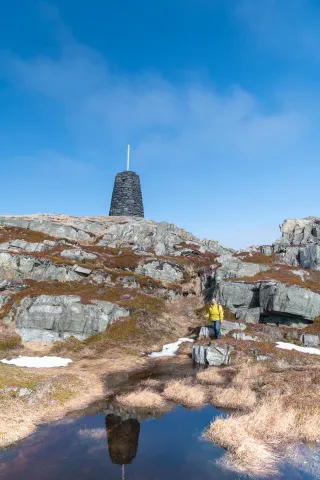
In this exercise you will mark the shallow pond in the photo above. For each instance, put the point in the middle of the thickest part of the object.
(115, 445)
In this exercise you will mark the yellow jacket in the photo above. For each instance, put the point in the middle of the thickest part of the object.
(214, 312)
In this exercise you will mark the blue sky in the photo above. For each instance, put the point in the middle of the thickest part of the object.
(218, 99)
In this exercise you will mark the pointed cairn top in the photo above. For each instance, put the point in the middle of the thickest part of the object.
(128, 158)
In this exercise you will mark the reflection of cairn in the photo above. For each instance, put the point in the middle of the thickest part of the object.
(123, 438)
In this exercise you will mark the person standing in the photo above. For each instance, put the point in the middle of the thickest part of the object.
(214, 312)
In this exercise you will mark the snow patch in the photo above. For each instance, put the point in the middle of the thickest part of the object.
(291, 346)
(38, 362)
(170, 349)
(300, 273)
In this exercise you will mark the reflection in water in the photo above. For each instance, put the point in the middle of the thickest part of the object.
(123, 438)
(169, 448)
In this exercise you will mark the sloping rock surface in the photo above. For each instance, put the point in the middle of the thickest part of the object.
(143, 234)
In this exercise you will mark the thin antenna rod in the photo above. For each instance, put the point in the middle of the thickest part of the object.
(128, 158)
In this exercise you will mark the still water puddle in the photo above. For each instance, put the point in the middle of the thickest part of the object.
(116, 445)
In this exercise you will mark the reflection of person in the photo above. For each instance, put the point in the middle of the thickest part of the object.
(123, 439)
(214, 312)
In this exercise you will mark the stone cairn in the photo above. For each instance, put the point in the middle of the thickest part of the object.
(127, 197)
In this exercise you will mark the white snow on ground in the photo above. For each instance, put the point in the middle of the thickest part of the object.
(300, 273)
(291, 346)
(38, 362)
(170, 349)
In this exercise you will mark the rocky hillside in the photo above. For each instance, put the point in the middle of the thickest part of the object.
(64, 277)
(275, 284)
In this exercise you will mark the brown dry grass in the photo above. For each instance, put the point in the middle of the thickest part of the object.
(237, 398)
(284, 274)
(256, 257)
(144, 398)
(183, 392)
(246, 453)
(133, 298)
(32, 236)
(249, 374)
(211, 376)
(56, 392)
(53, 394)
(282, 411)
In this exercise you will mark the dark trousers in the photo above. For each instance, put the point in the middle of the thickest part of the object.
(216, 327)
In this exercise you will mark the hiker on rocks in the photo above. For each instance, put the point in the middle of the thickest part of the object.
(214, 312)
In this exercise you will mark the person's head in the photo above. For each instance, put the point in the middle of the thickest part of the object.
(213, 301)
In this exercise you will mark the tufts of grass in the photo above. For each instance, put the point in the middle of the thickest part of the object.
(247, 454)
(210, 376)
(182, 392)
(11, 376)
(231, 397)
(10, 343)
(144, 398)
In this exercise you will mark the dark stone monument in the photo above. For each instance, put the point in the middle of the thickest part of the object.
(127, 197)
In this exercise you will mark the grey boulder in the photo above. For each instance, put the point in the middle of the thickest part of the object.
(278, 298)
(213, 354)
(161, 270)
(28, 267)
(233, 267)
(299, 231)
(48, 318)
(219, 355)
(310, 340)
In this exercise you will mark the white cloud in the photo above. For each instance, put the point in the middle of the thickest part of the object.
(192, 125)
(175, 122)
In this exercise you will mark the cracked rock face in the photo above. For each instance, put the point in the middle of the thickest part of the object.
(28, 267)
(145, 234)
(160, 270)
(300, 231)
(265, 301)
(48, 318)
(300, 243)
(139, 233)
(269, 302)
(78, 255)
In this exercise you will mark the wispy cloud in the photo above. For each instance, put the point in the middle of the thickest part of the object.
(287, 27)
(185, 124)
(165, 120)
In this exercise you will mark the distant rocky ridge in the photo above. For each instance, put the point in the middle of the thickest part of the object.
(299, 244)
(139, 233)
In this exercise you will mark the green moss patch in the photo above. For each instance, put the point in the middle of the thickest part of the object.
(10, 343)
